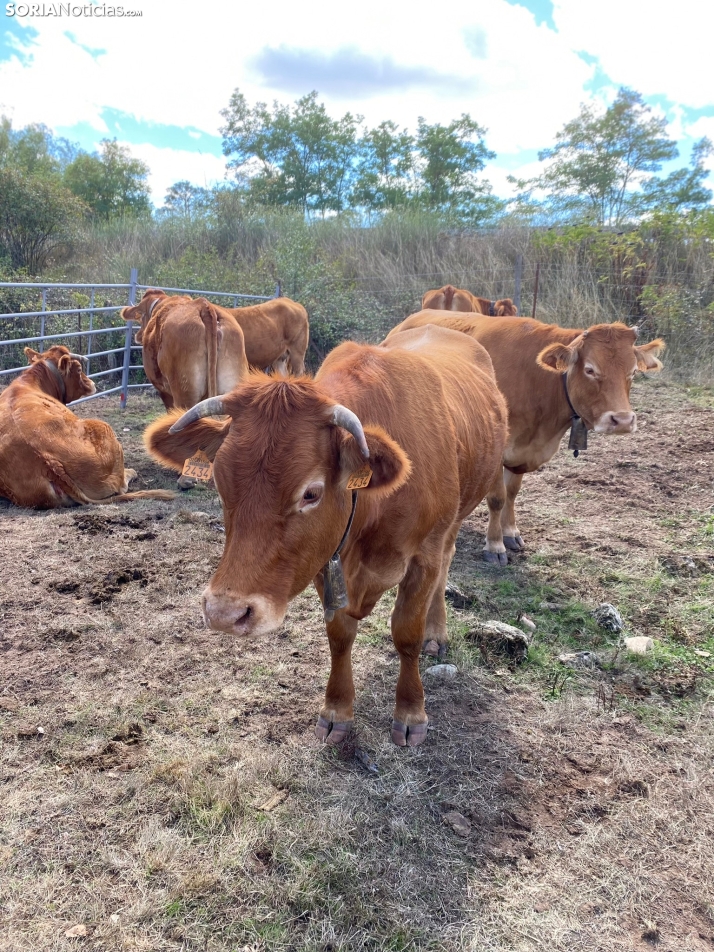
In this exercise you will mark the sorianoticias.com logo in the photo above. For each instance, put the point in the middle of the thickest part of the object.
(67, 10)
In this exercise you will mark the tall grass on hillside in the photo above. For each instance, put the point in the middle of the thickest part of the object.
(357, 282)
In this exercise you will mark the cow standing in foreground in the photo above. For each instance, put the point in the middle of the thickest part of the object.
(426, 416)
(550, 376)
(49, 457)
(450, 298)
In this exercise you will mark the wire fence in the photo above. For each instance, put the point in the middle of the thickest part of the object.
(87, 319)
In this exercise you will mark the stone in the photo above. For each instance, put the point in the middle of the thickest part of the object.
(579, 659)
(458, 823)
(528, 622)
(639, 645)
(609, 618)
(506, 639)
(702, 654)
(445, 672)
(550, 607)
(457, 598)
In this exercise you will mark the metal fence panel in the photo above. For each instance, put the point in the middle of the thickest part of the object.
(93, 312)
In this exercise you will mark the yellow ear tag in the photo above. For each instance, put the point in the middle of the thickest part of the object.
(360, 478)
(198, 466)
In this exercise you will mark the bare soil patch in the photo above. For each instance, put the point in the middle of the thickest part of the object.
(162, 787)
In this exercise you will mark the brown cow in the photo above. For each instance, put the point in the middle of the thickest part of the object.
(433, 432)
(550, 376)
(276, 333)
(450, 298)
(49, 457)
(192, 349)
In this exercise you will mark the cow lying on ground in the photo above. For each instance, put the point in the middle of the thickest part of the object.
(550, 376)
(192, 349)
(450, 298)
(48, 456)
(427, 418)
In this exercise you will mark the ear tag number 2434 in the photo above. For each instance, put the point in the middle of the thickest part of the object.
(198, 466)
(360, 478)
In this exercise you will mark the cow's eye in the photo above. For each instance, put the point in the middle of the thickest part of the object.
(311, 497)
(589, 371)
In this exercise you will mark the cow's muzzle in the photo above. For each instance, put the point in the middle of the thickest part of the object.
(238, 615)
(616, 423)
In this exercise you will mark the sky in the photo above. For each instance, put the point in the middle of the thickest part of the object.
(158, 80)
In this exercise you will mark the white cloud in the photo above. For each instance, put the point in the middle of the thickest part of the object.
(179, 63)
(173, 165)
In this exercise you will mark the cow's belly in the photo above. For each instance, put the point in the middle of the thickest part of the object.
(526, 457)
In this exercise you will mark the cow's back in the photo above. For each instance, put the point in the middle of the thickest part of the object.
(271, 329)
(438, 399)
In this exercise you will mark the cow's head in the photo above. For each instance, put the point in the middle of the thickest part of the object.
(600, 364)
(281, 466)
(65, 375)
(505, 308)
(140, 313)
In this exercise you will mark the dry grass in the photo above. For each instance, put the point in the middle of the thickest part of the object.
(177, 799)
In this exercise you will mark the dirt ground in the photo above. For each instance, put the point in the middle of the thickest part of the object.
(162, 788)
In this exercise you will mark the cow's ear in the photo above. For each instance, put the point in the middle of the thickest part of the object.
(32, 355)
(64, 364)
(131, 313)
(388, 462)
(556, 358)
(173, 449)
(647, 355)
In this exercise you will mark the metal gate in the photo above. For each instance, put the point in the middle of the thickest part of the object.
(51, 319)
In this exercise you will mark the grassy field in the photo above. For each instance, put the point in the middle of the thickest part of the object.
(162, 788)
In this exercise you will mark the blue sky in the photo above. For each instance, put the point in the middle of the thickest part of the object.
(157, 81)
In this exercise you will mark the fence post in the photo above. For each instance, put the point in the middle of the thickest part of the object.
(279, 289)
(133, 281)
(91, 327)
(42, 319)
(519, 275)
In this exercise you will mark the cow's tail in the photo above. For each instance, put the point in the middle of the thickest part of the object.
(449, 292)
(210, 322)
(164, 494)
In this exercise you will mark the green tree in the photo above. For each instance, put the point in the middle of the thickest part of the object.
(384, 173)
(36, 214)
(297, 156)
(112, 183)
(186, 200)
(449, 160)
(600, 160)
(684, 189)
(34, 150)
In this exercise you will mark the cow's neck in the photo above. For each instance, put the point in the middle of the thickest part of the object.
(56, 380)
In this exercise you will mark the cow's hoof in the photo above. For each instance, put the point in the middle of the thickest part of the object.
(332, 732)
(410, 735)
(495, 558)
(431, 648)
(186, 482)
(514, 543)
(443, 650)
(130, 475)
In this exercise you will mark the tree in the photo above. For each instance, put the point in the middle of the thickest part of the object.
(112, 183)
(36, 214)
(186, 200)
(34, 150)
(294, 156)
(384, 173)
(684, 189)
(449, 159)
(600, 160)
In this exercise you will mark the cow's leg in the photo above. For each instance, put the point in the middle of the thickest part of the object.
(408, 625)
(297, 362)
(337, 712)
(435, 636)
(495, 551)
(511, 537)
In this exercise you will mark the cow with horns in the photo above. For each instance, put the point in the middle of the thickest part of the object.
(48, 456)
(420, 426)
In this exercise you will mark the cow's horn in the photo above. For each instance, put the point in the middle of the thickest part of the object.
(211, 407)
(349, 421)
(82, 359)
